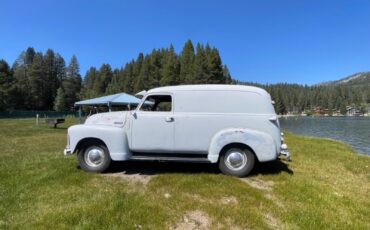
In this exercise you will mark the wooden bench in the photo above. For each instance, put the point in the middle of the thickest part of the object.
(54, 121)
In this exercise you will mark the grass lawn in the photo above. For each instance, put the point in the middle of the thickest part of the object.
(326, 186)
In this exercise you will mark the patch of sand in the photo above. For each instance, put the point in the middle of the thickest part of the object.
(259, 184)
(271, 221)
(275, 200)
(232, 226)
(194, 220)
(196, 197)
(132, 177)
(229, 200)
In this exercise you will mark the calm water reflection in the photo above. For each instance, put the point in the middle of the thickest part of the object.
(352, 130)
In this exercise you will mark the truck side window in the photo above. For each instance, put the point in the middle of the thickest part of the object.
(157, 103)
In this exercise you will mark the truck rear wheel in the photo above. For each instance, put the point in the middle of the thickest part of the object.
(94, 158)
(237, 161)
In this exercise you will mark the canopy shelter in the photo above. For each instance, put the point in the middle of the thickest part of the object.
(114, 99)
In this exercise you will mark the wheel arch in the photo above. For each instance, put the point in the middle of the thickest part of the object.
(88, 140)
(236, 145)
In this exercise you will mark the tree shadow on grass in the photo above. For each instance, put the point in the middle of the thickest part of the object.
(155, 168)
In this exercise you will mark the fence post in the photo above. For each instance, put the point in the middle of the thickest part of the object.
(37, 120)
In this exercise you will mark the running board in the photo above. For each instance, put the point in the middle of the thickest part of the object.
(169, 158)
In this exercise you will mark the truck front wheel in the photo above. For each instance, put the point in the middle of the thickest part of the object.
(237, 161)
(94, 158)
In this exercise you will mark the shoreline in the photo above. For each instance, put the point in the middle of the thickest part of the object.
(285, 131)
(350, 130)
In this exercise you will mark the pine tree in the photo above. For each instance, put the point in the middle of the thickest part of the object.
(128, 78)
(226, 75)
(200, 66)
(187, 64)
(207, 51)
(156, 63)
(7, 87)
(20, 73)
(170, 69)
(364, 108)
(29, 56)
(60, 101)
(137, 85)
(88, 84)
(60, 69)
(279, 104)
(215, 68)
(112, 86)
(343, 108)
(330, 105)
(72, 83)
(142, 82)
(104, 76)
(37, 83)
(51, 77)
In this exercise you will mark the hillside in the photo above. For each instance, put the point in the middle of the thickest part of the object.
(357, 79)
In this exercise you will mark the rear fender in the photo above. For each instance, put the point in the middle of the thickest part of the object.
(261, 143)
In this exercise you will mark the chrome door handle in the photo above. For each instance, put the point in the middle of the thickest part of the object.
(169, 119)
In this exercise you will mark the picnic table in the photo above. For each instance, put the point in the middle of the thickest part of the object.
(54, 121)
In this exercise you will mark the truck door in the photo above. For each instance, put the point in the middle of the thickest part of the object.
(153, 125)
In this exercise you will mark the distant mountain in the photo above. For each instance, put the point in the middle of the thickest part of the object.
(357, 79)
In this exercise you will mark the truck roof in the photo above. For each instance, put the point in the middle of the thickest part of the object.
(210, 87)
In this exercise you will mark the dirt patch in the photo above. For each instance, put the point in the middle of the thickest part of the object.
(134, 178)
(275, 200)
(196, 197)
(223, 200)
(232, 226)
(266, 186)
(229, 200)
(272, 222)
(259, 184)
(193, 220)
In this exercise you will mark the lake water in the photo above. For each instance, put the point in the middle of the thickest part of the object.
(352, 130)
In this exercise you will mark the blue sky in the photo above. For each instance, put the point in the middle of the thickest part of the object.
(262, 41)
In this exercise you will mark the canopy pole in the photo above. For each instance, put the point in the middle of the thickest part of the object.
(80, 114)
(110, 107)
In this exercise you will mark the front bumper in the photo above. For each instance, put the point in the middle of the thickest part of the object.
(67, 151)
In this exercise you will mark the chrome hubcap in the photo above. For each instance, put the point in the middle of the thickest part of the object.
(94, 156)
(235, 159)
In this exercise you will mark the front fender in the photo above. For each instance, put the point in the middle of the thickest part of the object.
(261, 143)
(115, 139)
